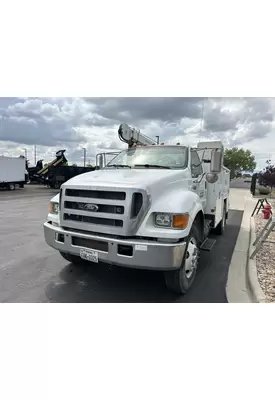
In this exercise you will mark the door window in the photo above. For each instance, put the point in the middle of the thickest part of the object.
(196, 167)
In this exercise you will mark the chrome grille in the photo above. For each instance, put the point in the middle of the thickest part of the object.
(93, 220)
(103, 210)
(96, 194)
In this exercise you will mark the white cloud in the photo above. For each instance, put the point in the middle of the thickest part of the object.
(74, 123)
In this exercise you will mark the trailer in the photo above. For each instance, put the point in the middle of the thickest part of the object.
(13, 172)
(34, 170)
(42, 175)
(61, 174)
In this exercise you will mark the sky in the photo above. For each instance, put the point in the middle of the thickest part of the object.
(76, 123)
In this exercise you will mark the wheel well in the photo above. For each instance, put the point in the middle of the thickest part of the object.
(199, 221)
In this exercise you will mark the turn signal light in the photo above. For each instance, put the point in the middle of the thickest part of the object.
(54, 208)
(180, 221)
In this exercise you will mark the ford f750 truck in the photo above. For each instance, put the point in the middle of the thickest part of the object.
(151, 207)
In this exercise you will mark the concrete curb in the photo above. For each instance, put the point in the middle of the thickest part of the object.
(237, 288)
(257, 293)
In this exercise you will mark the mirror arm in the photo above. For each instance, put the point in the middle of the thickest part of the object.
(199, 179)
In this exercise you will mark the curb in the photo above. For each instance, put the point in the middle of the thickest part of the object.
(257, 293)
(237, 288)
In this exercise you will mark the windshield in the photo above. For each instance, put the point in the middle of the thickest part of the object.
(151, 157)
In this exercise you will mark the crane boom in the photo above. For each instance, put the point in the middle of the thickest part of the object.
(133, 137)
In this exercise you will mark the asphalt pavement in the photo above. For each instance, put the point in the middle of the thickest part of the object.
(30, 271)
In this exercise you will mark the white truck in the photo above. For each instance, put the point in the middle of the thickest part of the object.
(13, 172)
(151, 207)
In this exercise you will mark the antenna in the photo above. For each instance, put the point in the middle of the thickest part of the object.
(202, 116)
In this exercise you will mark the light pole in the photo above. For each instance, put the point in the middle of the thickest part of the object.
(26, 154)
(35, 154)
(84, 150)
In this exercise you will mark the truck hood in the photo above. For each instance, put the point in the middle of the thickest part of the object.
(129, 178)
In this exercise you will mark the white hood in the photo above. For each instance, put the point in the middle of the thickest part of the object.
(129, 178)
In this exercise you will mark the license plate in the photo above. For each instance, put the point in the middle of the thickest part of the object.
(89, 255)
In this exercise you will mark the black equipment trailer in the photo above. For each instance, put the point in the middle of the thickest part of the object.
(60, 174)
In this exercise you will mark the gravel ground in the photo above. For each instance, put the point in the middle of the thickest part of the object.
(265, 260)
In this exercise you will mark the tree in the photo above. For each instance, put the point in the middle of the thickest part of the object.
(239, 160)
(266, 178)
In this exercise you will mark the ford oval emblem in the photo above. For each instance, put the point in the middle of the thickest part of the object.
(91, 207)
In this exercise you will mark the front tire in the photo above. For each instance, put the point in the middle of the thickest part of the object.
(72, 258)
(180, 280)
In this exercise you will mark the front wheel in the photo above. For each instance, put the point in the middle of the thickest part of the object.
(181, 280)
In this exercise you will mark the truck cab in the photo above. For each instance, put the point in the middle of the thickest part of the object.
(151, 207)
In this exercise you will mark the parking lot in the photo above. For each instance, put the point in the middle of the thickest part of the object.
(30, 271)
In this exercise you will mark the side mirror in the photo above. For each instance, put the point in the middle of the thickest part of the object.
(216, 160)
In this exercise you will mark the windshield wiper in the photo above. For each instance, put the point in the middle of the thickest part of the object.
(152, 166)
(119, 165)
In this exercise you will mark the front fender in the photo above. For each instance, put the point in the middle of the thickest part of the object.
(179, 201)
(55, 199)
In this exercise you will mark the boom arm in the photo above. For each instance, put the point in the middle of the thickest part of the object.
(133, 137)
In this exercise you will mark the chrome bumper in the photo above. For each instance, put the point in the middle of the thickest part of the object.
(146, 255)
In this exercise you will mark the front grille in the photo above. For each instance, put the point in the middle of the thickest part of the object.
(93, 220)
(102, 208)
(96, 194)
(103, 211)
(60, 200)
(137, 201)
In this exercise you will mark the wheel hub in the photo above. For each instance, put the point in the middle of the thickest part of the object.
(192, 256)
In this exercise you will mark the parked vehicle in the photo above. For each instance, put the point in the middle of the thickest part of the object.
(41, 175)
(34, 170)
(13, 172)
(61, 174)
(151, 207)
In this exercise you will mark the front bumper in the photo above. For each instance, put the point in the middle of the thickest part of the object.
(145, 254)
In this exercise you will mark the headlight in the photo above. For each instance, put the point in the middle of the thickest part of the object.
(54, 208)
(163, 220)
(175, 221)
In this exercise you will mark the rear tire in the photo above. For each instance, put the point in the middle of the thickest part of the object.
(181, 280)
(11, 186)
(72, 258)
